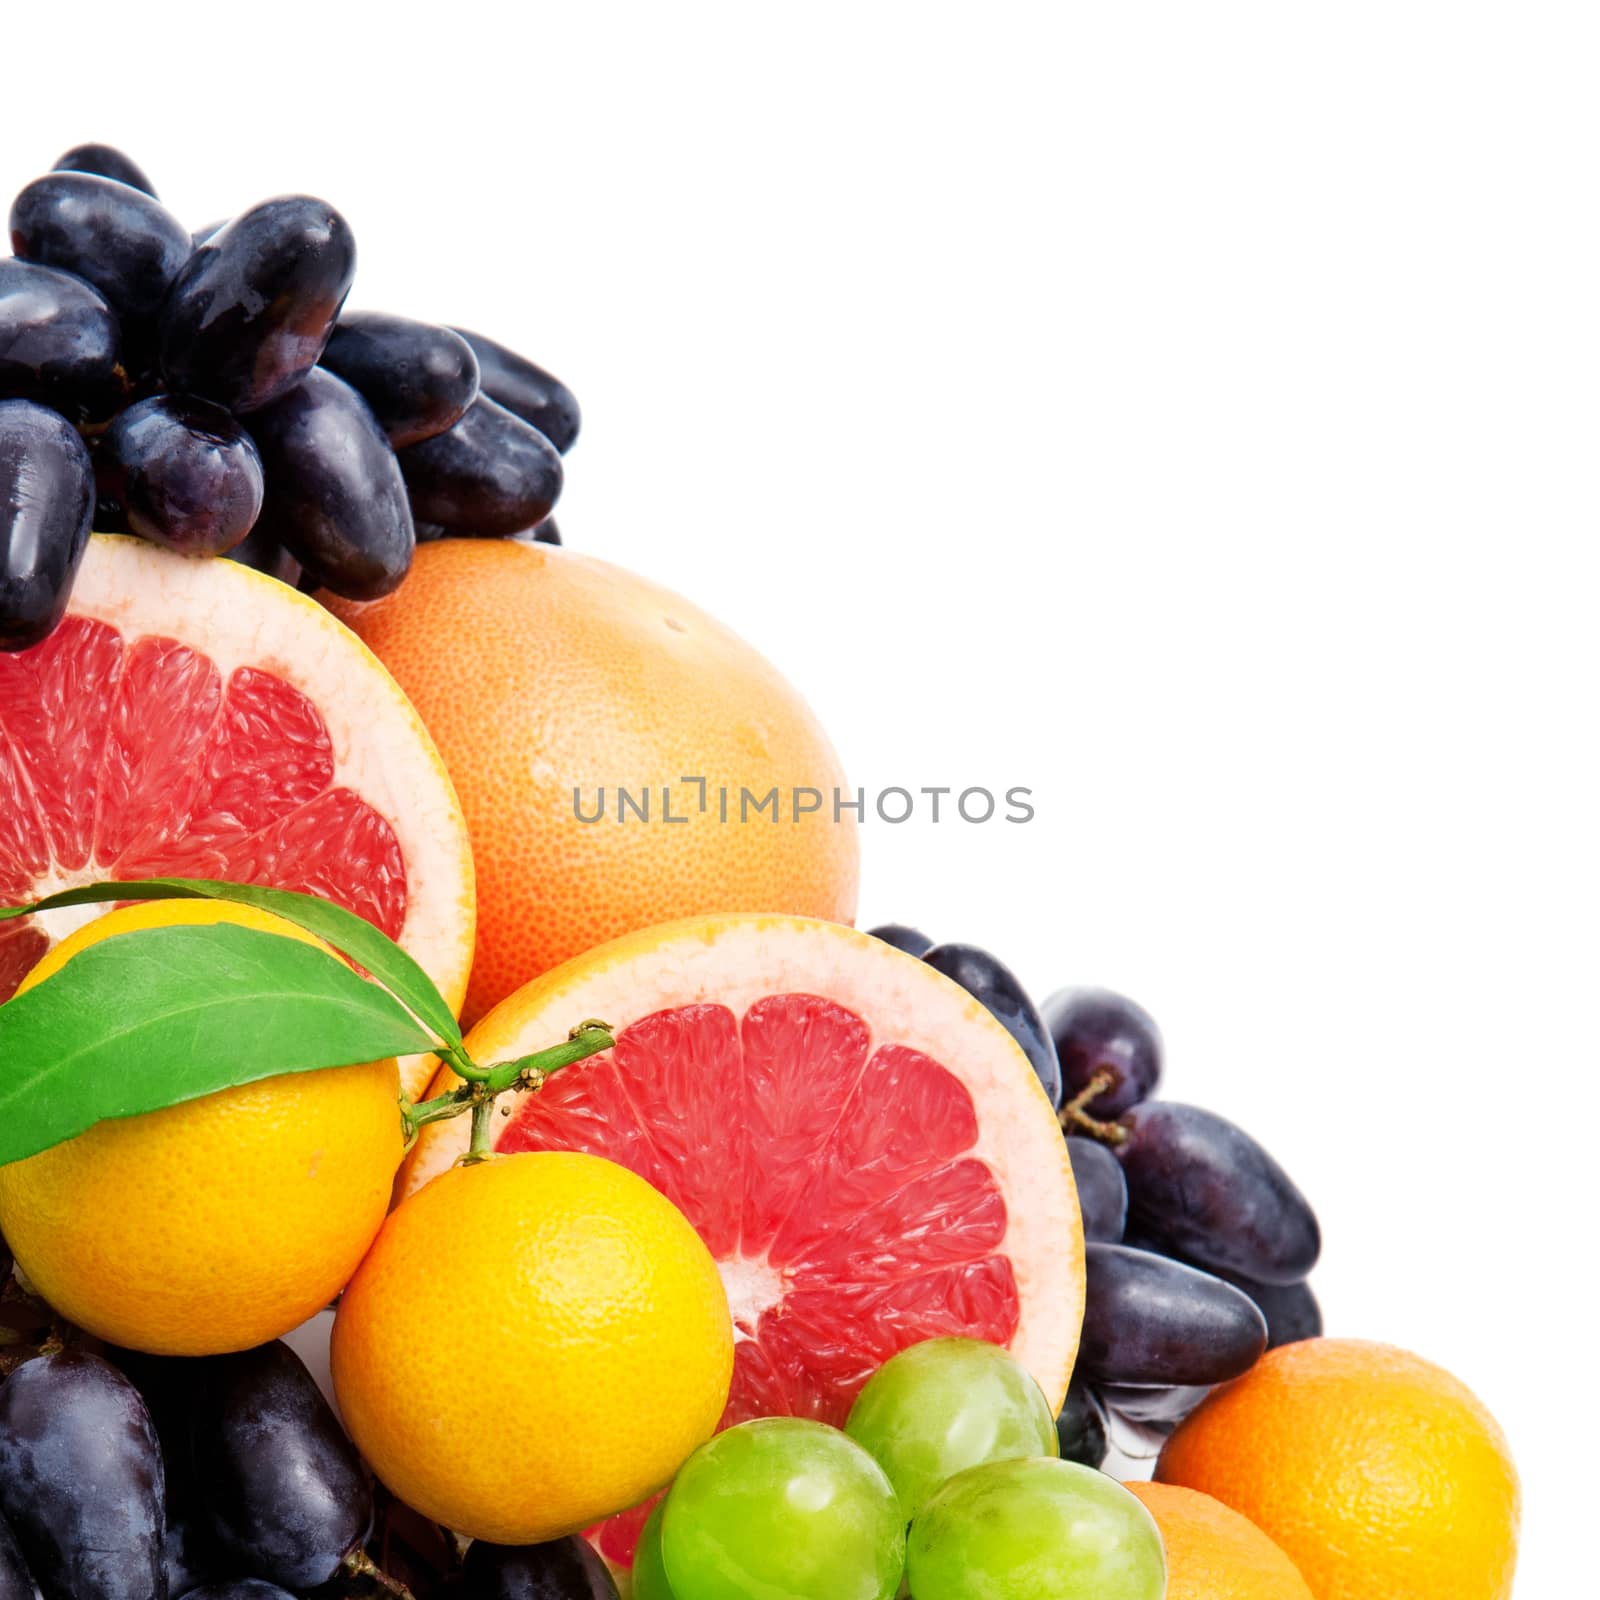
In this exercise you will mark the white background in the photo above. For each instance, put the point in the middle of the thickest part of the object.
(1186, 411)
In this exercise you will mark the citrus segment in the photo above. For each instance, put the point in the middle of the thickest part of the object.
(196, 719)
(865, 1152)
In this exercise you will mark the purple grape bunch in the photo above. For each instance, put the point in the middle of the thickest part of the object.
(1198, 1245)
(208, 392)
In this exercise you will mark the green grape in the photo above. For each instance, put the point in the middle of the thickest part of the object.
(1016, 1530)
(782, 1509)
(945, 1405)
(649, 1575)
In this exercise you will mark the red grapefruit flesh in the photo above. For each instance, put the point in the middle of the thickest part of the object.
(865, 1152)
(194, 719)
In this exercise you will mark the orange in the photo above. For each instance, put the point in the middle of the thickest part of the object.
(1378, 1473)
(535, 1341)
(1214, 1553)
(197, 719)
(549, 680)
(217, 1224)
(865, 1151)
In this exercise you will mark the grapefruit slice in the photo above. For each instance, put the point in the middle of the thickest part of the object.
(194, 718)
(863, 1148)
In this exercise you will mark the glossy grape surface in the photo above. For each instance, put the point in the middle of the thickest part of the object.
(185, 473)
(250, 313)
(649, 1573)
(1096, 1031)
(545, 532)
(334, 497)
(58, 342)
(1153, 1406)
(1026, 1530)
(261, 552)
(526, 390)
(993, 984)
(1081, 1427)
(16, 1583)
(1291, 1310)
(1149, 1320)
(490, 475)
(238, 1589)
(285, 1491)
(46, 507)
(127, 245)
(560, 1569)
(81, 1479)
(105, 161)
(417, 378)
(944, 1405)
(786, 1509)
(1215, 1195)
(912, 940)
(1102, 1190)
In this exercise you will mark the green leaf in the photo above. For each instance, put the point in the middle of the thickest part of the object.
(161, 1015)
(344, 930)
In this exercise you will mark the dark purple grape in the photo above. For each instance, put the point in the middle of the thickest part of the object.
(15, 1581)
(106, 161)
(1102, 1190)
(1081, 1427)
(239, 1589)
(249, 315)
(58, 342)
(262, 553)
(335, 500)
(562, 1569)
(1152, 1406)
(210, 231)
(1148, 1320)
(114, 237)
(526, 390)
(186, 475)
(1207, 1187)
(285, 1491)
(545, 532)
(490, 475)
(995, 987)
(912, 940)
(46, 508)
(419, 379)
(1291, 1309)
(1098, 1031)
(81, 1479)
(430, 532)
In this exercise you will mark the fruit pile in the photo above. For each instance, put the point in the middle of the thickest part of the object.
(702, 1247)
(1198, 1243)
(207, 392)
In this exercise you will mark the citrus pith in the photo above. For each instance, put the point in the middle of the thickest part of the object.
(196, 718)
(551, 682)
(533, 1342)
(217, 1224)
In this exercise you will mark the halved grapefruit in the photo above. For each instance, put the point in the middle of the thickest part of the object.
(863, 1148)
(195, 718)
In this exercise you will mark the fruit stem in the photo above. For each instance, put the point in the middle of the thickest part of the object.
(1077, 1120)
(477, 1093)
(358, 1564)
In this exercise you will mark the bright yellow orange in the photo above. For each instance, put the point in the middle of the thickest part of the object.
(541, 673)
(217, 1224)
(1214, 1553)
(533, 1343)
(1378, 1473)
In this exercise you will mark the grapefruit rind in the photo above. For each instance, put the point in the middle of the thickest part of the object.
(382, 751)
(737, 960)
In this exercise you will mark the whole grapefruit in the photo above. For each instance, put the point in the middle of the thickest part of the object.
(560, 688)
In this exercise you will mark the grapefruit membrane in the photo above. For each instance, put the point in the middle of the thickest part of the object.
(197, 719)
(865, 1151)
